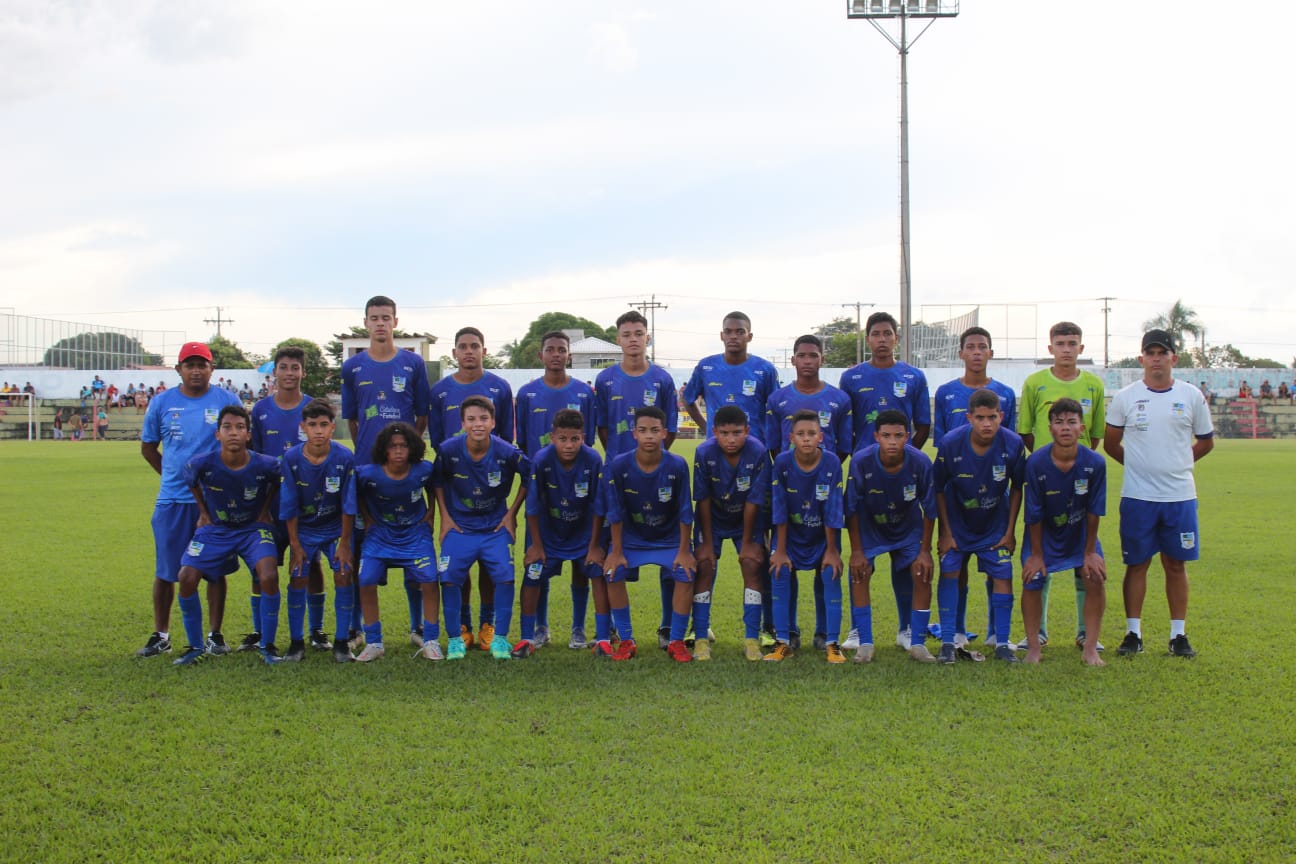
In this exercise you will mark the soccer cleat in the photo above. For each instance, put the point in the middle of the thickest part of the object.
(1080, 640)
(296, 651)
(578, 638)
(416, 639)
(355, 639)
(1130, 645)
(702, 650)
(466, 634)
(992, 641)
(690, 638)
(342, 654)
(250, 642)
(485, 637)
(902, 639)
(920, 653)
(1179, 646)
(767, 639)
(852, 640)
(663, 638)
(614, 637)
(190, 656)
(960, 640)
(456, 649)
(156, 644)
(541, 637)
(431, 650)
(782, 651)
(1006, 654)
(948, 654)
(794, 640)
(820, 642)
(500, 648)
(752, 650)
(216, 645)
(320, 641)
(834, 653)
(603, 649)
(864, 654)
(1023, 645)
(270, 655)
(963, 652)
(371, 652)
(678, 651)
(626, 650)
(523, 650)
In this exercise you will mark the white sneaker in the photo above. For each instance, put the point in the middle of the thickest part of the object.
(430, 651)
(991, 641)
(416, 639)
(372, 651)
(902, 639)
(852, 640)
(920, 653)
(864, 654)
(960, 640)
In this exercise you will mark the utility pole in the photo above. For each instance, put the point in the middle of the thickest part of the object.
(859, 332)
(1106, 308)
(218, 321)
(649, 309)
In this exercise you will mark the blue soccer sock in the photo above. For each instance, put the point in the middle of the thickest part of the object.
(793, 591)
(451, 613)
(503, 607)
(296, 613)
(701, 614)
(752, 603)
(832, 596)
(343, 605)
(315, 610)
(542, 604)
(1080, 603)
(947, 601)
(357, 611)
(960, 618)
(862, 622)
(667, 598)
(528, 626)
(621, 620)
(486, 611)
(678, 626)
(256, 613)
(1003, 606)
(580, 605)
(918, 621)
(414, 597)
(821, 611)
(1044, 602)
(191, 612)
(431, 630)
(990, 619)
(602, 627)
(465, 611)
(902, 585)
(270, 618)
(783, 584)
(373, 633)
(767, 600)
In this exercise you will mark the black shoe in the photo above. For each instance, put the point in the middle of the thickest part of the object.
(320, 641)
(296, 651)
(947, 654)
(251, 642)
(1179, 647)
(794, 640)
(820, 641)
(663, 638)
(156, 644)
(216, 645)
(342, 654)
(1006, 654)
(1132, 644)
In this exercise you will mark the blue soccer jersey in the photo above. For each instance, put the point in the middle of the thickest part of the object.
(873, 390)
(563, 499)
(890, 507)
(807, 502)
(831, 404)
(318, 496)
(951, 406)
(448, 394)
(538, 403)
(477, 490)
(234, 497)
(185, 427)
(376, 393)
(977, 487)
(748, 385)
(1060, 503)
(650, 506)
(730, 488)
(617, 395)
(397, 508)
(276, 430)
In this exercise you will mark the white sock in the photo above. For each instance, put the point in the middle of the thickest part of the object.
(165, 634)
(1135, 626)
(1176, 627)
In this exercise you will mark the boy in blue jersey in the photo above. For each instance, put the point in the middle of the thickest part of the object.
(978, 473)
(731, 475)
(474, 473)
(732, 378)
(470, 378)
(233, 489)
(619, 392)
(317, 505)
(392, 496)
(561, 491)
(383, 385)
(891, 508)
(538, 404)
(884, 382)
(180, 425)
(806, 497)
(1066, 497)
(646, 504)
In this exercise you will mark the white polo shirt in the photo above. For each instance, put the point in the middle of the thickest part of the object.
(1160, 428)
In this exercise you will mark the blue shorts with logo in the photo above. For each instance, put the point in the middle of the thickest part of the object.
(316, 546)
(994, 563)
(663, 557)
(214, 548)
(902, 554)
(459, 551)
(1149, 527)
(718, 540)
(412, 550)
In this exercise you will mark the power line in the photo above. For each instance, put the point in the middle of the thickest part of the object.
(218, 320)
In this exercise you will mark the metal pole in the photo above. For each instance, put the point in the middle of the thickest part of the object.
(1106, 332)
(906, 294)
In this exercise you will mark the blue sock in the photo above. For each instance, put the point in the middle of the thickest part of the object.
(701, 614)
(1003, 606)
(678, 625)
(902, 585)
(315, 609)
(947, 602)
(343, 604)
(918, 621)
(256, 613)
(767, 600)
(832, 595)
(357, 613)
(580, 605)
(431, 630)
(373, 633)
(667, 597)
(296, 612)
(752, 603)
(503, 607)
(783, 584)
(486, 611)
(528, 626)
(821, 611)
(621, 620)
(602, 627)
(862, 621)
(451, 600)
(542, 604)
(990, 618)
(414, 597)
(270, 617)
(465, 611)
(794, 589)
(191, 611)
(960, 619)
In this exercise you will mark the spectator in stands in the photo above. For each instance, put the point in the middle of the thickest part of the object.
(245, 394)
(101, 424)
(110, 396)
(1284, 392)
(1244, 390)
(28, 388)
(1206, 393)
(4, 391)
(161, 386)
(85, 397)
(58, 425)
(141, 400)
(1266, 390)
(97, 386)
(78, 424)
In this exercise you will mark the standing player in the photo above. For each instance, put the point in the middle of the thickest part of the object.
(538, 404)
(978, 474)
(1064, 380)
(732, 378)
(731, 475)
(806, 498)
(317, 504)
(1066, 496)
(1158, 428)
(890, 507)
(179, 426)
(233, 489)
(884, 382)
(383, 385)
(646, 505)
(444, 422)
(474, 473)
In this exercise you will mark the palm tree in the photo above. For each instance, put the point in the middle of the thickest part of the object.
(1179, 320)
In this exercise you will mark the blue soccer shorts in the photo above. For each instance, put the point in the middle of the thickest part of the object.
(315, 547)
(213, 546)
(173, 528)
(902, 555)
(1149, 527)
(459, 551)
(662, 557)
(994, 563)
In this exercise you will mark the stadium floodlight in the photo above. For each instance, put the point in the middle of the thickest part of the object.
(902, 10)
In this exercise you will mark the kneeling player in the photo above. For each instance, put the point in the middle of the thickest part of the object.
(233, 488)
(806, 499)
(392, 495)
(978, 474)
(1066, 496)
(731, 487)
(317, 503)
(890, 507)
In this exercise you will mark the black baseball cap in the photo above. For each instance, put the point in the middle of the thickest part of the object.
(1158, 337)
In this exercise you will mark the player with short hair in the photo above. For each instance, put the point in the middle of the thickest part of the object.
(646, 504)
(317, 504)
(732, 378)
(474, 473)
(1158, 428)
(233, 488)
(883, 382)
(1066, 497)
(806, 499)
(179, 426)
(1064, 380)
(890, 508)
(978, 473)
(731, 476)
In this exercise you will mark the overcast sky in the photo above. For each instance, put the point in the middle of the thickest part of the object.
(486, 162)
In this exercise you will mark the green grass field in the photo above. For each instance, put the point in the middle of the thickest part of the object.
(563, 758)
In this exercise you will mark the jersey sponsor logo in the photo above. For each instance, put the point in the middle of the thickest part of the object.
(1082, 486)
(821, 491)
(210, 415)
(911, 492)
(1187, 539)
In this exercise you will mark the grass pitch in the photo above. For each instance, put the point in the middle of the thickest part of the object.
(562, 758)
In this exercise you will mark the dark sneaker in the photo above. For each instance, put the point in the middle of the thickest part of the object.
(190, 656)
(948, 654)
(1006, 654)
(270, 654)
(1179, 647)
(794, 640)
(1132, 644)
(296, 651)
(156, 644)
(216, 645)
(663, 638)
(250, 642)
(820, 641)
(342, 654)
(319, 640)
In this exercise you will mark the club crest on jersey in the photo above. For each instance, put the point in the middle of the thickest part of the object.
(398, 383)
(573, 406)
(664, 494)
(301, 435)
(743, 483)
(493, 478)
(911, 492)
(195, 548)
(650, 397)
(1188, 539)
(1085, 405)
(210, 415)
(821, 491)
(249, 493)
(1082, 486)
(1177, 409)
(443, 563)
(332, 484)
(415, 495)
(581, 490)
(825, 417)
(999, 472)
(749, 388)
(899, 388)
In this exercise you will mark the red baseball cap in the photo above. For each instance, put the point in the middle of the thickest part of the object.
(194, 349)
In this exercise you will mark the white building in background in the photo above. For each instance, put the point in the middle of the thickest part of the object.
(420, 343)
(591, 352)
